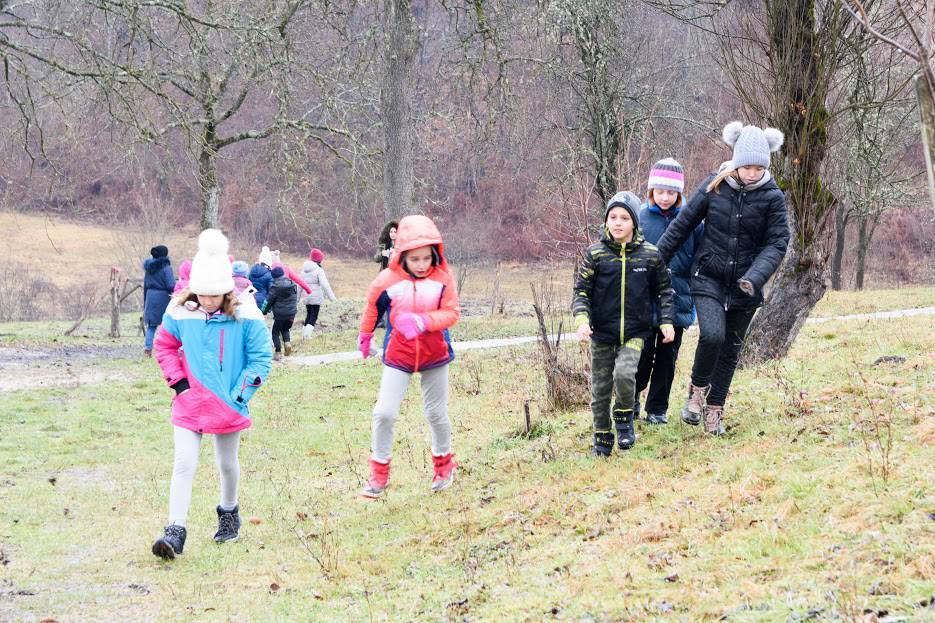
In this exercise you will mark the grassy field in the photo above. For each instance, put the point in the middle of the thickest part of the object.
(818, 504)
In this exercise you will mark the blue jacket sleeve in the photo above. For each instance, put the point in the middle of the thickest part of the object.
(259, 359)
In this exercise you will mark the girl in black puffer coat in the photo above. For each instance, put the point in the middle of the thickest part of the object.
(745, 238)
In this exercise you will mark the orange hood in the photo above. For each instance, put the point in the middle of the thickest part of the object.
(416, 231)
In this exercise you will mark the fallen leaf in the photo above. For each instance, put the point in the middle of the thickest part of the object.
(255, 521)
(301, 516)
(273, 587)
(674, 577)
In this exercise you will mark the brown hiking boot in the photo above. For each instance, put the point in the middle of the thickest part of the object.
(712, 419)
(694, 406)
(288, 347)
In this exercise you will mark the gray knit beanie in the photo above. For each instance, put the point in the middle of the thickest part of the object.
(629, 202)
(751, 144)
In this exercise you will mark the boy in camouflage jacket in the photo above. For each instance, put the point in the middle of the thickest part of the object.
(617, 283)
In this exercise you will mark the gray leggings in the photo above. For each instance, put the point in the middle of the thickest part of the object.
(435, 404)
(187, 445)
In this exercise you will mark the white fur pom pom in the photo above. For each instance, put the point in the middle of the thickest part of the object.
(732, 132)
(774, 138)
(212, 242)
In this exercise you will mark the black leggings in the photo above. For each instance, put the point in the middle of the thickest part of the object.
(311, 314)
(657, 364)
(281, 326)
(719, 343)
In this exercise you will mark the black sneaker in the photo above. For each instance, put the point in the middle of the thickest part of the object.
(171, 543)
(623, 422)
(228, 525)
(657, 418)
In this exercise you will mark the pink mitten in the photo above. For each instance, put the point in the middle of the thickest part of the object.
(411, 325)
(363, 343)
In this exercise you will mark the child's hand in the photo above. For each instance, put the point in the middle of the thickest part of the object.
(584, 332)
(746, 287)
(363, 343)
(411, 325)
(668, 334)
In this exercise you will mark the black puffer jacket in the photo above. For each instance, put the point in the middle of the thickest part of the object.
(283, 297)
(618, 314)
(745, 237)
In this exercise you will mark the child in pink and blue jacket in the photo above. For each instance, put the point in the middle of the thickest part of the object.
(214, 351)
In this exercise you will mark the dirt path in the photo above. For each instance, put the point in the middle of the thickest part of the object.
(312, 360)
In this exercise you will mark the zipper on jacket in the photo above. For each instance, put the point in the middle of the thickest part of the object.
(414, 293)
(733, 262)
(221, 353)
(623, 287)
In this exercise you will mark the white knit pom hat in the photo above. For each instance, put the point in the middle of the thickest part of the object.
(751, 144)
(211, 268)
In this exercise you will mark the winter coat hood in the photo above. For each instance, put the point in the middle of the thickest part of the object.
(154, 265)
(416, 231)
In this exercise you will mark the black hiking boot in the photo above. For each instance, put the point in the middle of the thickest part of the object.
(228, 525)
(603, 444)
(171, 543)
(623, 422)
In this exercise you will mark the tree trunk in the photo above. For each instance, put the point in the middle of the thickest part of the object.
(840, 233)
(863, 241)
(400, 47)
(802, 83)
(796, 289)
(600, 108)
(208, 179)
(927, 116)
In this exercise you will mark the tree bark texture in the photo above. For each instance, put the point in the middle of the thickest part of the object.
(802, 79)
(208, 180)
(927, 116)
(600, 104)
(401, 44)
(840, 239)
(863, 242)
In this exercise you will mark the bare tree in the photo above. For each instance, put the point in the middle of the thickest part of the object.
(169, 67)
(915, 41)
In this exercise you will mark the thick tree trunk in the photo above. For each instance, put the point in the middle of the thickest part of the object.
(802, 83)
(840, 235)
(400, 47)
(208, 180)
(796, 289)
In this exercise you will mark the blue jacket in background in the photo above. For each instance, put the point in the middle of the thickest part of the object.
(158, 283)
(262, 278)
(653, 223)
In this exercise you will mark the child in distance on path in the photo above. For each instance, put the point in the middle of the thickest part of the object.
(261, 276)
(185, 271)
(745, 239)
(214, 351)
(618, 281)
(657, 361)
(158, 284)
(417, 291)
(314, 276)
(282, 300)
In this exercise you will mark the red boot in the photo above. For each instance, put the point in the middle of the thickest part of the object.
(444, 471)
(379, 478)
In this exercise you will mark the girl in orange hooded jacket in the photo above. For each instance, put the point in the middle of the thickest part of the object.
(418, 290)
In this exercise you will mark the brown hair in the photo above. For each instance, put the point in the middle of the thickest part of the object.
(723, 175)
(228, 306)
(651, 199)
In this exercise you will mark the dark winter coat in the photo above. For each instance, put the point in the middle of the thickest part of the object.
(745, 237)
(653, 224)
(617, 314)
(158, 283)
(283, 298)
(262, 278)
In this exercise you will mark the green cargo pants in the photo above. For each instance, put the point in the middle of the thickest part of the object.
(613, 371)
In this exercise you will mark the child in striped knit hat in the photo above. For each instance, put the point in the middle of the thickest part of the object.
(657, 361)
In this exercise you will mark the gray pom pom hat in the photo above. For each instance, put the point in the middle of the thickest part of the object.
(752, 145)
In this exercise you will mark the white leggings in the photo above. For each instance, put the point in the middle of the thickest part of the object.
(435, 404)
(187, 445)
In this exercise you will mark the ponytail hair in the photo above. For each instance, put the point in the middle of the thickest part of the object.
(720, 177)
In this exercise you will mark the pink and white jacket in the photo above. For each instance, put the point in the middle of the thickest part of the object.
(221, 360)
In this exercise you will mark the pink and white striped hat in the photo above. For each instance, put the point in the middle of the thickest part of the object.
(667, 175)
